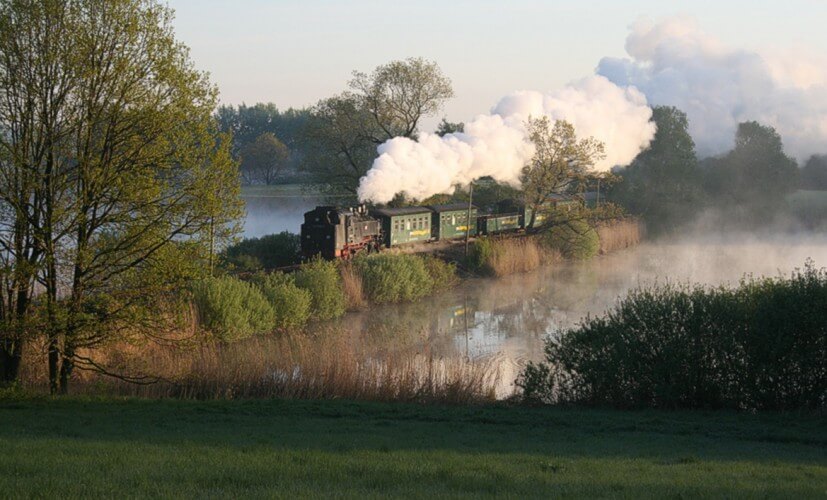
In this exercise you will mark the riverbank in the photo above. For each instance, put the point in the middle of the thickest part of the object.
(108, 448)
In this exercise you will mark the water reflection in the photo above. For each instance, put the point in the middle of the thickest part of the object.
(508, 319)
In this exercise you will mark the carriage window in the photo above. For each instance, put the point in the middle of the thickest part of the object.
(453, 219)
(408, 225)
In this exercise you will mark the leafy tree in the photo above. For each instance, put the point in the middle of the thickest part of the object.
(341, 137)
(263, 160)
(814, 173)
(125, 158)
(446, 127)
(756, 174)
(664, 183)
(560, 162)
(266, 252)
(247, 123)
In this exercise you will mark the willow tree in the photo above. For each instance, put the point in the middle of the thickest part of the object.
(560, 162)
(146, 183)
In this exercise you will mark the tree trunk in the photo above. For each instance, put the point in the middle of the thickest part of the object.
(66, 370)
(54, 360)
(11, 357)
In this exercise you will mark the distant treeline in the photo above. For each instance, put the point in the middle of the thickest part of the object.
(669, 185)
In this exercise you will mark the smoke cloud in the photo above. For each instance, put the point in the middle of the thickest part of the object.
(675, 63)
(496, 145)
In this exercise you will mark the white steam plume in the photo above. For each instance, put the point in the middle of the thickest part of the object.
(496, 145)
(674, 63)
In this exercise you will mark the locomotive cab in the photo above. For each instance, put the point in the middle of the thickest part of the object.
(334, 232)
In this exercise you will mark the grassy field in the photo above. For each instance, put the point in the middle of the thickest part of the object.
(115, 448)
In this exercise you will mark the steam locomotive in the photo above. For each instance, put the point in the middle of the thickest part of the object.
(340, 233)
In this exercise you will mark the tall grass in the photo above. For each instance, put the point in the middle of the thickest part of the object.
(502, 257)
(352, 286)
(619, 234)
(303, 367)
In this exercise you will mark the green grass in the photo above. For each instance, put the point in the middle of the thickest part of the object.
(116, 448)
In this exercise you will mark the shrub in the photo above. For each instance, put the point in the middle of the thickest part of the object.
(291, 304)
(232, 309)
(759, 346)
(321, 278)
(268, 252)
(443, 274)
(575, 239)
(394, 277)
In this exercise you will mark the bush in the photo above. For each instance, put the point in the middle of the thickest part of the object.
(443, 274)
(232, 309)
(394, 277)
(762, 346)
(268, 252)
(575, 239)
(291, 304)
(321, 278)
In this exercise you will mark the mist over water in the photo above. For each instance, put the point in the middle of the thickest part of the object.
(506, 320)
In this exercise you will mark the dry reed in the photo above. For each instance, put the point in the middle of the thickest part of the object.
(518, 255)
(619, 234)
(353, 287)
(301, 367)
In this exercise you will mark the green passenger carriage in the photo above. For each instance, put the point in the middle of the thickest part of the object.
(404, 225)
(451, 221)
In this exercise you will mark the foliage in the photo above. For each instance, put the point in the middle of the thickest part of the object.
(291, 304)
(760, 346)
(574, 239)
(394, 277)
(232, 309)
(814, 174)
(264, 159)
(247, 123)
(266, 252)
(445, 127)
(341, 137)
(755, 176)
(560, 162)
(443, 274)
(321, 278)
(110, 139)
(664, 183)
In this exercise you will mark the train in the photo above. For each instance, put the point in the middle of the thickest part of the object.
(343, 232)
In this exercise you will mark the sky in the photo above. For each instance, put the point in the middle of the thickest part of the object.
(294, 53)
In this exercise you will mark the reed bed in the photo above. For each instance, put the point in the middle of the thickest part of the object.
(619, 234)
(503, 257)
(353, 287)
(302, 367)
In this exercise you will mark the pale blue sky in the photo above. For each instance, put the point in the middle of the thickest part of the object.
(294, 53)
